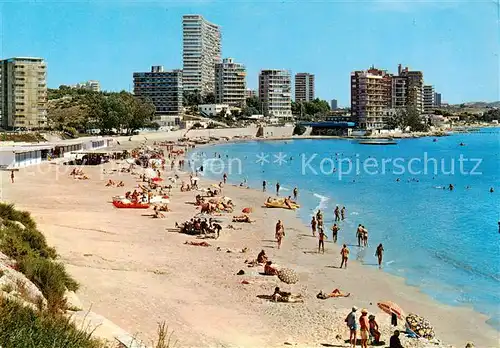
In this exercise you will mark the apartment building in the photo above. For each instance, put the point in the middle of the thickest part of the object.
(90, 85)
(304, 87)
(275, 93)
(230, 83)
(201, 51)
(371, 98)
(23, 93)
(437, 100)
(428, 98)
(334, 104)
(164, 89)
(408, 89)
(250, 93)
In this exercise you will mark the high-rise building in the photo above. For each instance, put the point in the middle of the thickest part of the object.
(407, 89)
(334, 104)
(250, 93)
(23, 93)
(201, 51)
(371, 98)
(275, 88)
(304, 87)
(437, 99)
(90, 85)
(428, 98)
(164, 90)
(230, 83)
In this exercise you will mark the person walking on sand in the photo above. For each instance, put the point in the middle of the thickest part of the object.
(342, 213)
(313, 226)
(295, 193)
(359, 234)
(277, 188)
(352, 324)
(379, 254)
(12, 176)
(322, 237)
(337, 213)
(364, 326)
(280, 233)
(345, 255)
(264, 186)
(335, 231)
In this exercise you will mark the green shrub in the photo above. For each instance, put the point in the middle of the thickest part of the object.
(24, 327)
(299, 130)
(7, 212)
(50, 277)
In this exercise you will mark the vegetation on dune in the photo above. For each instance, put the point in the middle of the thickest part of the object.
(76, 110)
(34, 258)
(22, 326)
(22, 137)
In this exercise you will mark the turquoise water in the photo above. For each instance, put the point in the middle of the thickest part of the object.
(444, 242)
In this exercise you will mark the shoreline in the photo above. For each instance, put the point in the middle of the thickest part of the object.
(127, 242)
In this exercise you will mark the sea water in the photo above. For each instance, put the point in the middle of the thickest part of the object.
(446, 242)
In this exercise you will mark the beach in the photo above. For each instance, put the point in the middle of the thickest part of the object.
(136, 272)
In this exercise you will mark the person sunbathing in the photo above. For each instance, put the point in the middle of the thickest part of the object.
(334, 293)
(242, 218)
(269, 269)
(120, 184)
(283, 296)
(157, 214)
(110, 183)
(262, 257)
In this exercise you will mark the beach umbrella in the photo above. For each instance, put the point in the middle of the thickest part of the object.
(420, 326)
(288, 276)
(391, 308)
(246, 210)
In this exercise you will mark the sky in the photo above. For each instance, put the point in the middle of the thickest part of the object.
(455, 43)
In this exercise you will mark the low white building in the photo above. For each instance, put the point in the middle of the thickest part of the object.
(210, 110)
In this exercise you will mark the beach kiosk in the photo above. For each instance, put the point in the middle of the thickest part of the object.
(22, 156)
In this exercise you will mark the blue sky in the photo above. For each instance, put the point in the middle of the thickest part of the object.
(455, 43)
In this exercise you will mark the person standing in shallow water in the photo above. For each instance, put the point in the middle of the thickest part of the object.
(337, 213)
(379, 254)
(264, 186)
(342, 213)
(359, 234)
(335, 231)
(277, 188)
(295, 193)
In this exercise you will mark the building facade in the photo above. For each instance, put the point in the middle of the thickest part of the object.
(90, 85)
(371, 98)
(275, 93)
(164, 90)
(428, 98)
(211, 110)
(334, 104)
(408, 89)
(437, 99)
(201, 51)
(250, 93)
(304, 87)
(230, 83)
(23, 93)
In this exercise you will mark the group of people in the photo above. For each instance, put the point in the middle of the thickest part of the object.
(197, 226)
(368, 327)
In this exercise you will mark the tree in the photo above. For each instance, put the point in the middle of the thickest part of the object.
(408, 117)
(490, 115)
(209, 98)
(253, 106)
(299, 129)
(192, 98)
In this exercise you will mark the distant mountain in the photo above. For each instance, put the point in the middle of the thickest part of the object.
(481, 104)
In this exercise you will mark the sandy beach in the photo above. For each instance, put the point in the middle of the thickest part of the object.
(136, 272)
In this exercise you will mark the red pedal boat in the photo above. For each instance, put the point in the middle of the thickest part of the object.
(137, 205)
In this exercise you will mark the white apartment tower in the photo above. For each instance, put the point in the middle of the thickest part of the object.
(275, 93)
(304, 87)
(230, 83)
(201, 51)
(23, 93)
(428, 98)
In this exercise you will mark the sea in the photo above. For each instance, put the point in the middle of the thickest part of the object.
(444, 241)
